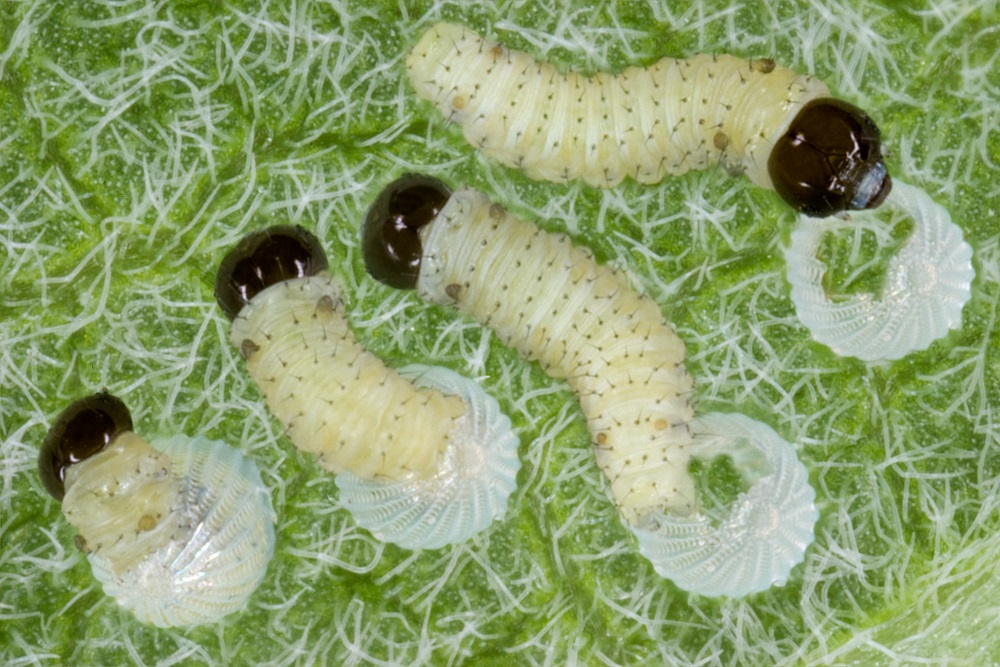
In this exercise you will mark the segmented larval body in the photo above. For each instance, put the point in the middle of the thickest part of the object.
(416, 466)
(179, 531)
(336, 399)
(647, 123)
(581, 321)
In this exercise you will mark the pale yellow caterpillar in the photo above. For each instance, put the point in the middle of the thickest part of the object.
(583, 323)
(424, 457)
(178, 530)
(779, 128)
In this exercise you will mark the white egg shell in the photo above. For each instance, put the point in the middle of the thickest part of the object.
(767, 530)
(644, 123)
(200, 558)
(469, 488)
(927, 283)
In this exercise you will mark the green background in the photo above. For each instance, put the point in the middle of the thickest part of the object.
(139, 140)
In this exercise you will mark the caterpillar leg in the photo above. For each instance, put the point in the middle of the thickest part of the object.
(767, 530)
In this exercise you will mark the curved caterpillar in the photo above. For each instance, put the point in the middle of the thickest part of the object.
(583, 323)
(424, 456)
(927, 283)
(179, 530)
(779, 128)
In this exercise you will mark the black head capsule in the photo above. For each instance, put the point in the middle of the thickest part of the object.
(830, 160)
(83, 429)
(264, 258)
(390, 234)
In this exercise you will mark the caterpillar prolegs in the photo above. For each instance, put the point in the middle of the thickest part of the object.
(583, 323)
(779, 128)
(423, 456)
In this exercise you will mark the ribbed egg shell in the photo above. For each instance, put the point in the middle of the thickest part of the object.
(220, 547)
(927, 283)
(768, 527)
(467, 492)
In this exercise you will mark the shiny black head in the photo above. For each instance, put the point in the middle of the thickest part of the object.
(82, 430)
(390, 234)
(830, 160)
(264, 258)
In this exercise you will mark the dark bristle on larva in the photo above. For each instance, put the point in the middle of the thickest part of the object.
(830, 160)
(81, 430)
(264, 258)
(390, 234)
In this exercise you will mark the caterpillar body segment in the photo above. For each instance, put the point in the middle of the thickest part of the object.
(300, 351)
(780, 128)
(582, 322)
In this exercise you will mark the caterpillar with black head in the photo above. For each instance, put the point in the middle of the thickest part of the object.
(423, 456)
(582, 322)
(178, 530)
(779, 128)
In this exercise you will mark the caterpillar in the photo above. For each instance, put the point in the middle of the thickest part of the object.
(779, 128)
(583, 323)
(926, 285)
(423, 457)
(179, 530)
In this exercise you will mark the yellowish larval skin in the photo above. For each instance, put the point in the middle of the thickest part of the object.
(581, 321)
(122, 501)
(336, 399)
(647, 123)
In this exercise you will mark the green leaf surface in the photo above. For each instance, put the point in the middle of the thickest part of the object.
(140, 140)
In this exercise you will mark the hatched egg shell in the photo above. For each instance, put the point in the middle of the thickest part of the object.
(468, 490)
(767, 530)
(214, 543)
(927, 284)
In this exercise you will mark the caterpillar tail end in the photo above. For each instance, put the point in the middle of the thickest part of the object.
(468, 492)
(768, 528)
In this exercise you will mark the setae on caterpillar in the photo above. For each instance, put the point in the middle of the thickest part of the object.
(423, 456)
(583, 323)
(779, 128)
(178, 530)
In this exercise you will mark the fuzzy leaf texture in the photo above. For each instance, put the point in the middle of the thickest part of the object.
(140, 140)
